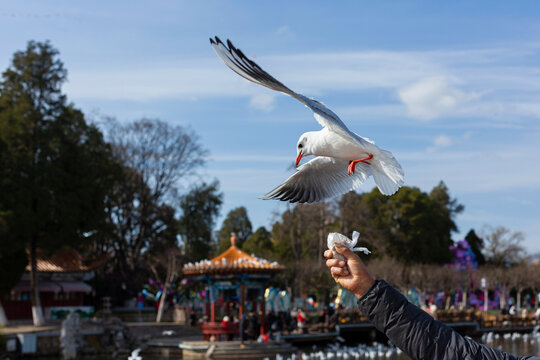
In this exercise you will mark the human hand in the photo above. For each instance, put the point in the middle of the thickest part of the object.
(352, 275)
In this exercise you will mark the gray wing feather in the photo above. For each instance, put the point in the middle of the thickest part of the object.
(319, 179)
(248, 69)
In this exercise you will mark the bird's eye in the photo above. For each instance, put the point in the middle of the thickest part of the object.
(300, 146)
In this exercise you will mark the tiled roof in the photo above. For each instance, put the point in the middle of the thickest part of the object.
(232, 261)
(65, 260)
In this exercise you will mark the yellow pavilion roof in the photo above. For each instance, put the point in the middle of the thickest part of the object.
(232, 261)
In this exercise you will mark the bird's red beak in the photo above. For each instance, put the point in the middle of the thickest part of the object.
(298, 158)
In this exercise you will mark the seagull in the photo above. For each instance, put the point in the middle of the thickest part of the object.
(135, 355)
(343, 160)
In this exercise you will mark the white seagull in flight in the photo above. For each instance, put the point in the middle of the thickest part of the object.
(336, 147)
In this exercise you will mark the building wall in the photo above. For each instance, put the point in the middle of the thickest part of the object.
(17, 305)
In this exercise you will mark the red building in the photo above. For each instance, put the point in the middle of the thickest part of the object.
(61, 284)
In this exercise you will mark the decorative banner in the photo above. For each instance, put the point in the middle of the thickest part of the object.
(413, 297)
(277, 300)
(346, 299)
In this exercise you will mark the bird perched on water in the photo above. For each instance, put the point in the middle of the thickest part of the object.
(344, 160)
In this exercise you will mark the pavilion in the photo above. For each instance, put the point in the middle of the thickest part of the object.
(230, 278)
(62, 286)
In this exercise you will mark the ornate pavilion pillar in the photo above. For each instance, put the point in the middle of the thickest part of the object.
(213, 298)
(241, 309)
(207, 302)
(263, 317)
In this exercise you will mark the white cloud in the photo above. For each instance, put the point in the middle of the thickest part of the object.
(442, 141)
(265, 102)
(509, 93)
(284, 30)
(487, 169)
(432, 97)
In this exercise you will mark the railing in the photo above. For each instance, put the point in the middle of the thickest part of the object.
(217, 330)
(485, 320)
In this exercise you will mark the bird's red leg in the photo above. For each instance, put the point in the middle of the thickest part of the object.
(352, 163)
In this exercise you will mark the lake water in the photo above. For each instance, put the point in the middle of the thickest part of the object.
(516, 344)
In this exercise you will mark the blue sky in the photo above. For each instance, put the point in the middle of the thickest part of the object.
(451, 88)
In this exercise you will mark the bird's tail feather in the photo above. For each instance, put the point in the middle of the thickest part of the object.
(387, 172)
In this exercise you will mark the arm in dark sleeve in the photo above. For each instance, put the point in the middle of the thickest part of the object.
(417, 333)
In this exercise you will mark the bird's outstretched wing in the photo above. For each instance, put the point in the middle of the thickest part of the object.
(319, 179)
(248, 69)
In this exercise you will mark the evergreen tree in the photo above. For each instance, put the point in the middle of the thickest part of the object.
(416, 227)
(260, 244)
(200, 208)
(55, 169)
(477, 244)
(237, 221)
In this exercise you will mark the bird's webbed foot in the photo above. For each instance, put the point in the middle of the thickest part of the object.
(352, 163)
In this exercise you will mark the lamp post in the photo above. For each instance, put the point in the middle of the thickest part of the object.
(483, 284)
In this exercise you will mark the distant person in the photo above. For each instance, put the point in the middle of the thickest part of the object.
(193, 318)
(322, 320)
(252, 327)
(226, 322)
(273, 325)
(301, 320)
(433, 310)
(293, 320)
(407, 326)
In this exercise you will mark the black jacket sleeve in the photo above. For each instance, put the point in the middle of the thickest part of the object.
(416, 332)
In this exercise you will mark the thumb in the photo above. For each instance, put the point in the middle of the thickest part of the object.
(343, 250)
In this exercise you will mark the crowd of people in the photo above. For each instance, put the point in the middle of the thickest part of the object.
(295, 321)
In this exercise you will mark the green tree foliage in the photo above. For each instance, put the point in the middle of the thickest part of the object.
(476, 244)
(260, 244)
(354, 215)
(237, 221)
(13, 260)
(200, 209)
(417, 226)
(55, 169)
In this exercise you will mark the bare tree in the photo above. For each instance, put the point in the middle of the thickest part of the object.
(155, 156)
(489, 273)
(502, 281)
(299, 238)
(535, 282)
(419, 276)
(447, 278)
(502, 247)
(161, 153)
(520, 279)
(164, 266)
(3, 318)
(390, 270)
